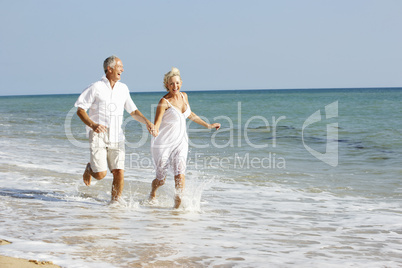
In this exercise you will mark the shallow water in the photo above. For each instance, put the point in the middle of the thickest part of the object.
(255, 196)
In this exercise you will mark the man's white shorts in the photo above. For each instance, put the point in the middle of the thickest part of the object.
(105, 154)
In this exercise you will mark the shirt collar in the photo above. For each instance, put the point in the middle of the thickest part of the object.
(106, 81)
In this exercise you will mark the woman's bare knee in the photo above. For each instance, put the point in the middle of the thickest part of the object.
(179, 181)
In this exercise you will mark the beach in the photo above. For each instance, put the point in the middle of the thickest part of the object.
(294, 178)
(10, 262)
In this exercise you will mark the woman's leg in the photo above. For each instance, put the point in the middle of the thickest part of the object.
(156, 183)
(179, 181)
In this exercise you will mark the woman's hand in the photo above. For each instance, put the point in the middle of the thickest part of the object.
(214, 125)
(153, 130)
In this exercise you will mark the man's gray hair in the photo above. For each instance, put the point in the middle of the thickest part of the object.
(110, 61)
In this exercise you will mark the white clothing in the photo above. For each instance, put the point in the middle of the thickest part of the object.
(105, 154)
(169, 149)
(106, 106)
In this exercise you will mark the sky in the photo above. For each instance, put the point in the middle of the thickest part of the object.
(58, 47)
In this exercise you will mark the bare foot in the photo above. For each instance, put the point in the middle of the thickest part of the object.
(155, 185)
(177, 201)
(118, 202)
(87, 175)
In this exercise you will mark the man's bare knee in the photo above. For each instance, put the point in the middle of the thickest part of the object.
(99, 175)
(118, 172)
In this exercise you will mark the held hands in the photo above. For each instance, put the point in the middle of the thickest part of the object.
(215, 125)
(152, 130)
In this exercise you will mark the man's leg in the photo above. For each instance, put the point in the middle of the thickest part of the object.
(118, 183)
(98, 160)
(115, 158)
(88, 174)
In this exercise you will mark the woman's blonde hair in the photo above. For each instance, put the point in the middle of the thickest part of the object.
(170, 74)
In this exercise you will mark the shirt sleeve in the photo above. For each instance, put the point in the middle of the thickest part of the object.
(86, 98)
(130, 105)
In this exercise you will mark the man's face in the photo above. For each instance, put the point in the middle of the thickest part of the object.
(115, 73)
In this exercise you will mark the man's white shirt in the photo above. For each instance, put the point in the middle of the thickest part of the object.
(106, 106)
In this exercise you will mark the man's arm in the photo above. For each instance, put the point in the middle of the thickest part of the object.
(82, 114)
(137, 115)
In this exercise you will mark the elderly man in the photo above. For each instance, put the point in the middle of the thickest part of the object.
(106, 101)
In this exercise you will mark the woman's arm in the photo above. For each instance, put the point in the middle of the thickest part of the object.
(160, 110)
(195, 118)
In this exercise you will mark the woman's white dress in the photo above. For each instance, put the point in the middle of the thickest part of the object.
(169, 149)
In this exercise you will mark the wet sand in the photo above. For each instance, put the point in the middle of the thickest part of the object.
(10, 262)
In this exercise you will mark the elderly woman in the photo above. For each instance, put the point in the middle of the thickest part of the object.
(170, 146)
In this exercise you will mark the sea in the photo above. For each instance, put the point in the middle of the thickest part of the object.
(294, 178)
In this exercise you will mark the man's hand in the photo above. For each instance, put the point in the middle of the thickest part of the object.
(152, 130)
(98, 128)
(82, 114)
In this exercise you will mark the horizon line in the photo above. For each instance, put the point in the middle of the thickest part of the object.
(216, 90)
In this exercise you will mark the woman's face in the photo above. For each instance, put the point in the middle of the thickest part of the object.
(174, 84)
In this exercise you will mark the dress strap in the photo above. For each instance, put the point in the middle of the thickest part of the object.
(170, 105)
(184, 98)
